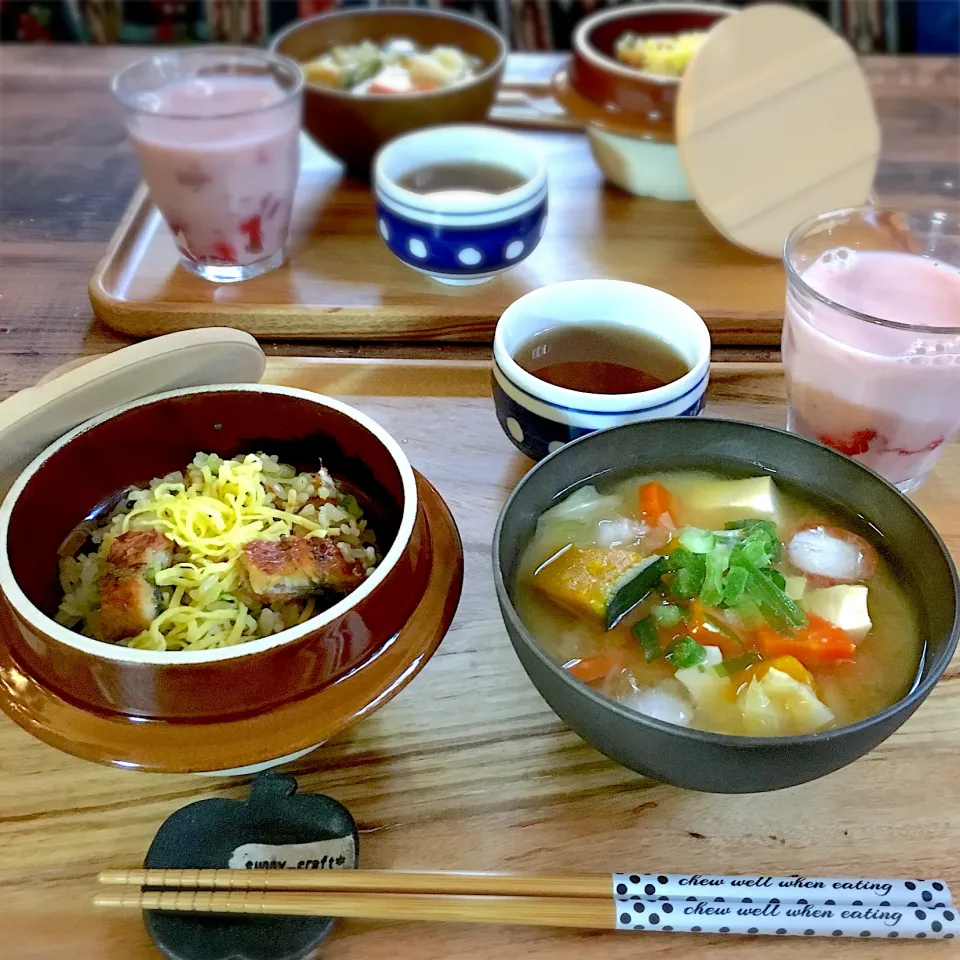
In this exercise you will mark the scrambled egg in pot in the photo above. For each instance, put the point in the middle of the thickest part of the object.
(665, 56)
(229, 551)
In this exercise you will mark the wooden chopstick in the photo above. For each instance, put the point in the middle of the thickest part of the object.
(528, 911)
(595, 902)
(454, 883)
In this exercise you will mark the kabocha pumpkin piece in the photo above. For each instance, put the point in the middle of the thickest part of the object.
(602, 583)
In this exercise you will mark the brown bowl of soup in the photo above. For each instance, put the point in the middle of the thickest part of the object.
(352, 120)
(720, 605)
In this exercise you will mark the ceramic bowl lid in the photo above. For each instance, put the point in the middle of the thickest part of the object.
(775, 123)
(32, 419)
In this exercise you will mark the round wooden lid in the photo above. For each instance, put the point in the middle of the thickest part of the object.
(775, 123)
(32, 419)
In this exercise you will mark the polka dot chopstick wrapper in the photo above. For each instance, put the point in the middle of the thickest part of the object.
(786, 906)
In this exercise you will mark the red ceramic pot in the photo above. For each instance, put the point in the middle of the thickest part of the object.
(626, 95)
(161, 434)
(629, 113)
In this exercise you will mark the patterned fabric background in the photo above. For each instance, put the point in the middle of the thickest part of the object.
(913, 26)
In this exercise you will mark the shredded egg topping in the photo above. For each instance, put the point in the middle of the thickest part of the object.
(211, 517)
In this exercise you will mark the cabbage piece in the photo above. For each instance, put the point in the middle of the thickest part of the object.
(715, 696)
(582, 505)
(777, 705)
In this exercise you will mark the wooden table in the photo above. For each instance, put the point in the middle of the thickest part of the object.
(68, 174)
(473, 771)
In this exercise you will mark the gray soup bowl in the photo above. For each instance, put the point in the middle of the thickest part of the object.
(695, 759)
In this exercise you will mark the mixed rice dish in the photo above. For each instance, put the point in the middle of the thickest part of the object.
(225, 552)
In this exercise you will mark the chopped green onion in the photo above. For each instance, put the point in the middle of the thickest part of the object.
(716, 566)
(777, 608)
(635, 589)
(722, 628)
(753, 550)
(748, 612)
(733, 586)
(689, 571)
(697, 540)
(668, 616)
(686, 652)
(729, 667)
(778, 578)
(762, 531)
(645, 632)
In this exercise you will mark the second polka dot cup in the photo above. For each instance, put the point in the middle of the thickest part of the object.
(461, 236)
(539, 417)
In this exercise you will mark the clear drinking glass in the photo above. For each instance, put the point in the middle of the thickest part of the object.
(871, 336)
(217, 131)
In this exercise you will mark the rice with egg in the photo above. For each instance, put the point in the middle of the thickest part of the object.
(214, 514)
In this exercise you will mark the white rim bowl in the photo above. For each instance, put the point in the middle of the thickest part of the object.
(613, 303)
(460, 143)
(32, 614)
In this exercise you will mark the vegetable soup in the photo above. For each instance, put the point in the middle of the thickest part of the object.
(397, 66)
(729, 605)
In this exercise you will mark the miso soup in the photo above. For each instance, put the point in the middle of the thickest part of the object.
(729, 605)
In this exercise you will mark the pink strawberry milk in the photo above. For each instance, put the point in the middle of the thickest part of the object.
(217, 134)
(871, 338)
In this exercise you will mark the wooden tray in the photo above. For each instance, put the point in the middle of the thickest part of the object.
(469, 769)
(341, 282)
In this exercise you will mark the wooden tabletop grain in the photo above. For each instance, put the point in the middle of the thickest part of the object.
(68, 174)
(496, 781)
(469, 769)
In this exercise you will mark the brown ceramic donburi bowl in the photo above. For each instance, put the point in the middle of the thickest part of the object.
(353, 127)
(620, 97)
(261, 738)
(161, 434)
(629, 113)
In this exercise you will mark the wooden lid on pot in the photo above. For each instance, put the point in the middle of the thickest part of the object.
(34, 418)
(775, 123)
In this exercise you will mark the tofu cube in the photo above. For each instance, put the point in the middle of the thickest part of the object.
(844, 605)
(718, 501)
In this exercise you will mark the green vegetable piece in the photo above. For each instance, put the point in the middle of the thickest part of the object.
(668, 616)
(645, 632)
(686, 652)
(733, 586)
(777, 608)
(752, 550)
(717, 562)
(689, 571)
(778, 578)
(729, 667)
(764, 531)
(722, 628)
(634, 590)
(748, 611)
(349, 503)
(696, 540)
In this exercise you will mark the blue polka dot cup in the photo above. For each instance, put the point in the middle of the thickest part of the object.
(461, 237)
(540, 417)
